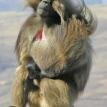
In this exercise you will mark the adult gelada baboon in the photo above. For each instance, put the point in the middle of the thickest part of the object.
(54, 54)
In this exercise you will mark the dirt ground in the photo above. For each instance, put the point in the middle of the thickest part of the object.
(95, 94)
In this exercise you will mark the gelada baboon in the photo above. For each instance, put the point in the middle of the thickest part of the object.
(54, 53)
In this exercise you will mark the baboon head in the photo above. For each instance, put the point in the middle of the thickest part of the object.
(53, 11)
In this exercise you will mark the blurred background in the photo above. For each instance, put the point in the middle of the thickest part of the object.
(18, 5)
(13, 13)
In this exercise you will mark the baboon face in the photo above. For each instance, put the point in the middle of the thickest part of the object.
(51, 10)
(47, 10)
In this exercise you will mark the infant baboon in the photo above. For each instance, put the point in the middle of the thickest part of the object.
(54, 53)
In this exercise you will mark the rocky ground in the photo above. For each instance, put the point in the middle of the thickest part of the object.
(95, 94)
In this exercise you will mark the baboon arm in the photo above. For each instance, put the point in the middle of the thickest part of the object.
(71, 64)
(24, 38)
(52, 73)
(22, 45)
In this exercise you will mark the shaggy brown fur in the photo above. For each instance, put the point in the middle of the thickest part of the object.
(68, 50)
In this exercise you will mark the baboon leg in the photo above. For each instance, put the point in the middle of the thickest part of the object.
(54, 93)
(18, 94)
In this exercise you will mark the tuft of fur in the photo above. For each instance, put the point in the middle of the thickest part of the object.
(33, 3)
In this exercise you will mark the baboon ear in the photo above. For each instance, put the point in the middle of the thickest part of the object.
(33, 3)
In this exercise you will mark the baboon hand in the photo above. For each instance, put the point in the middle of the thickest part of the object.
(33, 69)
(33, 73)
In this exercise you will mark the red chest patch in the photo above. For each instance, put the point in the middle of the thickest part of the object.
(40, 35)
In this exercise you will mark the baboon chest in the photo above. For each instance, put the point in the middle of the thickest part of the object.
(48, 52)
